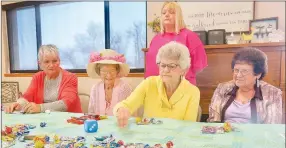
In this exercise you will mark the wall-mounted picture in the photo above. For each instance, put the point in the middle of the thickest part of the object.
(10, 91)
(261, 28)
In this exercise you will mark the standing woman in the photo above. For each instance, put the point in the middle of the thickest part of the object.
(173, 28)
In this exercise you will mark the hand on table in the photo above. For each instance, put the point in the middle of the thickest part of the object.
(13, 107)
(32, 108)
(122, 116)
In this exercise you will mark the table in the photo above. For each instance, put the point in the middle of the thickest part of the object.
(182, 133)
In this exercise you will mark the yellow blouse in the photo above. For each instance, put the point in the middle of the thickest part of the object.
(183, 104)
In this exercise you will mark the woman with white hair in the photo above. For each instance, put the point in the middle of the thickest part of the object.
(52, 89)
(173, 28)
(168, 95)
(110, 67)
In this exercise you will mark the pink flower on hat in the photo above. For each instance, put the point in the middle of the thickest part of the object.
(118, 58)
(107, 56)
(95, 56)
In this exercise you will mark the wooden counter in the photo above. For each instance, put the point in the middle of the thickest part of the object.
(219, 68)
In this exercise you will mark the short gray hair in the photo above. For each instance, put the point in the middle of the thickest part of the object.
(47, 49)
(175, 50)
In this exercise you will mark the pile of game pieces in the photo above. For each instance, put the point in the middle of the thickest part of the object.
(145, 121)
(218, 130)
(11, 133)
(110, 142)
(80, 120)
(57, 142)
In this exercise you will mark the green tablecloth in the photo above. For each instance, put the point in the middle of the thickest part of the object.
(182, 133)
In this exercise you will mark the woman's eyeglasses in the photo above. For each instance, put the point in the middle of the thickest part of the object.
(110, 72)
(171, 66)
(243, 72)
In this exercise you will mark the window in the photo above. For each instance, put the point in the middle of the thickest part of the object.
(77, 29)
(22, 37)
(76, 33)
(128, 34)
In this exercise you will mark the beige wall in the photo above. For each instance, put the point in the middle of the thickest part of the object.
(84, 83)
(262, 10)
(271, 9)
(277, 9)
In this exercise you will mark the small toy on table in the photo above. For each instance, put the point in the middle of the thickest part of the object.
(8, 143)
(80, 120)
(90, 126)
(209, 130)
(93, 116)
(8, 130)
(227, 127)
(43, 124)
(47, 111)
(146, 121)
(75, 120)
(31, 126)
(110, 141)
(218, 130)
(169, 144)
(140, 121)
(16, 131)
(68, 142)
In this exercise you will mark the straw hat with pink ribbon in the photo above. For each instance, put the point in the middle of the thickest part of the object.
(107, 56)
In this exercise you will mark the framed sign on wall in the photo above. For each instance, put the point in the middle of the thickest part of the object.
(231, 16)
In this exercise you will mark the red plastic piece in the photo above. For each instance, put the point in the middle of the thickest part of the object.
(170, 144)
(120, 142)
(8, 130)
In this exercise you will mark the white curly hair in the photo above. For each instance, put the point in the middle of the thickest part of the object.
(175, 50)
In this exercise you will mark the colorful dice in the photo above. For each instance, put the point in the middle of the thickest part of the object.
(90, 126)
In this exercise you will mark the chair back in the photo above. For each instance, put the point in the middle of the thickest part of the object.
(84, 101)
(199, 114)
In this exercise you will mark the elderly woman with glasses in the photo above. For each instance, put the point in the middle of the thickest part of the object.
(169, 95)
(247, 99)
(52, 89)
(110, 67)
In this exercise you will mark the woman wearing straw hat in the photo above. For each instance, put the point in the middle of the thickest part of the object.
(109, 66)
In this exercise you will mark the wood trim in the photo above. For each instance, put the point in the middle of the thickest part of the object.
(12, 5)
(282, 83)
(8, 2)
(282, 71)
(77, 74)
(244, 45)
(238, 45)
